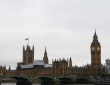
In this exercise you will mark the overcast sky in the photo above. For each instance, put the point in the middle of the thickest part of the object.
(65, 27)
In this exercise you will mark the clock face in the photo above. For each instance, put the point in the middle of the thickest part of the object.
(98, 48)
(92, 48)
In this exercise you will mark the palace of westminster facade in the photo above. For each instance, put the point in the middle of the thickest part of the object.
(59, 67)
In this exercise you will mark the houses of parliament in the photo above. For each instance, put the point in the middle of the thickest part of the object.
(59, 67)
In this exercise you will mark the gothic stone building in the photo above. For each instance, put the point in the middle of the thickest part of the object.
(61, 67)
(2, 70)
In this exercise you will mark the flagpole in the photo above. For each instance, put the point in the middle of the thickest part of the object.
(28, 41)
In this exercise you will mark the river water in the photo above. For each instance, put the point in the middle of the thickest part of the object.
(14, 84)
(40, 84)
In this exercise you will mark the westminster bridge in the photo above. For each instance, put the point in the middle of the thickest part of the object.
(28, 79)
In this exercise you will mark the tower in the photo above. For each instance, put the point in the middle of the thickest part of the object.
(70, 62)
(28, 55)
(107, 62)
(45, 58)
(9, 68)
(95, 55)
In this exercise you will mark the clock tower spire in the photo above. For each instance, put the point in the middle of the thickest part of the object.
(45, 58)
(95, 55)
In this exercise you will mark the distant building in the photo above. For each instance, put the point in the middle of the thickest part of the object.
(2, 70)
(45, 58)
(96, 55)
(28, 55)
(61, 67)
(107, 61)
(10, 71)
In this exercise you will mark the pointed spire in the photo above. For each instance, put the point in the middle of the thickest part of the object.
(28, 47)
(45, 53)
(33, 47)
(70, 59)
(52, 61)
(95, 35)
(23, 47)
(95, 39)
(9, 68)
(45, 50)
(45, 58)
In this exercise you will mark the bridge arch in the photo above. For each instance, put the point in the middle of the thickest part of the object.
(17, 78)
(81, 80)
(66, 80)
(43, 78)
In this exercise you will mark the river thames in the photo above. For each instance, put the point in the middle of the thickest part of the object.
(40, 84)
(14, 84)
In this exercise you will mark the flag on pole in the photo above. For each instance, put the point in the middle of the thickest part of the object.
(26, 38)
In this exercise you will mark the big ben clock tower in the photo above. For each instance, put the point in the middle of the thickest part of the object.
(95, 56)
